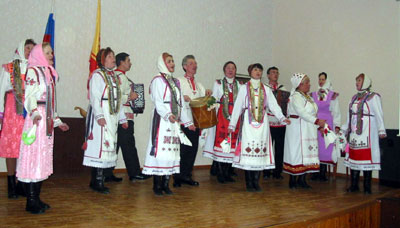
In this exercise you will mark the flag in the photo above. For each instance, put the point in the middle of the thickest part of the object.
(96, 41)
(49, 34)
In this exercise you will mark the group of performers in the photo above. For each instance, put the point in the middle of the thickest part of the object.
(267, 128)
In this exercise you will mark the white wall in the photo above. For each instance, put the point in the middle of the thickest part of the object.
(213, 31)
(342, 38)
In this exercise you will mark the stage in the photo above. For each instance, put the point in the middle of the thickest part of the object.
(211, 204)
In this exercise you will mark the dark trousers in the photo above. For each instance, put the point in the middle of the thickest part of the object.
(188, 153)
(126, 140)
(278, 137)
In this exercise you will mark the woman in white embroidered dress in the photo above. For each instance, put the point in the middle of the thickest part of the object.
(301, 142)
(364, 128)
(163, 154)
(104, 113)
(254, 148)
(225, 92)
(35, 163)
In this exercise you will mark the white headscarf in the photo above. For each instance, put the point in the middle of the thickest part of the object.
(296, 80)
(327, 86)
(366, 83)
(20, 55)
(162, 67)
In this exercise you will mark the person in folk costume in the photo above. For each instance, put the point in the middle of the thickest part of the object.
(254, 147)
(225, 92)
(277, 129)
(190, 89)
(329, 110)
(163, 150)
(364, 128)
(126, 139)
(12, 90)
(301, 140)
(35, 162)
(104, 113)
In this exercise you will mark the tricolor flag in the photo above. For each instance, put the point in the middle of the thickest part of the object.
(96, 41)
(49, 34)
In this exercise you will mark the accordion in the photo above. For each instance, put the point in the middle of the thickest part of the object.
(137, 105)
(282, 97)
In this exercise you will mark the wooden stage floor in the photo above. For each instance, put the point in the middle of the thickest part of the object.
(211, 204)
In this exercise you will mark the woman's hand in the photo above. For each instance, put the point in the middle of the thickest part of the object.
(64, 127)
(172, 118)
(133, 95)
(208, 92)
(192, 127)
(230, 131)
(287, 121)
(186, 98)
(36, 119)
(125, 125)
(382, 136)
(321, 123)
(102, 122)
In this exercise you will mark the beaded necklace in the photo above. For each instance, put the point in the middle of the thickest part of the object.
(225, 99)
(260, 107)
(109, 78)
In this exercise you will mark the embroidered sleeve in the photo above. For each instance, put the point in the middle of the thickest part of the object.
(238, 107)
(298, 103)
(5, 86)
(96, 89)
(32, 93)
(273, 105)
(377, 111)
(161, 97)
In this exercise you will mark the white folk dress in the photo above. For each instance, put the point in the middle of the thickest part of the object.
(101, 142)
(301, 141)
(211, 149)
(364, 153)
(254, 147)
(163, 150)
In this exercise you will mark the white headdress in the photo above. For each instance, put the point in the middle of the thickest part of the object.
(162, 67)
(296, 80)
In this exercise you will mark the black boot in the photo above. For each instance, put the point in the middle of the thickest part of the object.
(165, 185)
(97, 182)
(249, 181)
(355, 176)
(292, 182)
(256, 180)
(42, 204)
(157, 188)
(177, 181)
(322, 172)
(227, 175)
(315, 176)
(214, 169)
(232, 171)
(32, 199)
(266, 174)
(301, 182)
(220, 172)
(12, 187)
(367, 182)
(21, 189)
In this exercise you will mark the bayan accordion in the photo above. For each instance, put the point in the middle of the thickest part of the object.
(138, 104)
(202, 117)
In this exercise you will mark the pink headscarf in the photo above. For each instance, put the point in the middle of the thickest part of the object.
(37, 58)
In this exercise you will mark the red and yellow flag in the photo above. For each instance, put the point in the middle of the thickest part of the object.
(96, 41)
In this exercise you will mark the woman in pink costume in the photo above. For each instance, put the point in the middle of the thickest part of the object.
(11, 112)
(35, 163)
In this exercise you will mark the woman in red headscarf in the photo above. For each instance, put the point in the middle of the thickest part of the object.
(104, 113)
(35, 163)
